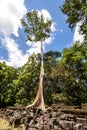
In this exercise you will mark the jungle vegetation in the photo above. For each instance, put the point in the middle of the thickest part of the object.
(65, 73)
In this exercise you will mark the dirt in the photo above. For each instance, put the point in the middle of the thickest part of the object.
(5, 125)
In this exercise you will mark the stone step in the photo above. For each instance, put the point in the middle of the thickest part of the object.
(85, 127)
(83, 121)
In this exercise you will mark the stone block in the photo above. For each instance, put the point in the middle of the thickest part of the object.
(16, 122)
(78, 126)
(85, 127)
(46, 127)
(83, 121)
(22, 127)
(84, 106)
(46, 118)
(66, 124)
(55, 127)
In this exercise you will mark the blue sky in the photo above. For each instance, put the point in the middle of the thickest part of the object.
(63, 35)
(14, 50)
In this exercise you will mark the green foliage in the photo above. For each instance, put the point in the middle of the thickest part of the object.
(76, 11)
(28, 80)
(65, 78)
(71, 72)
(36, 28)
(50, 61)
(23, 84)
(7, 90)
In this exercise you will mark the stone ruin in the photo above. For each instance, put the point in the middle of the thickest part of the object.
(56, 117)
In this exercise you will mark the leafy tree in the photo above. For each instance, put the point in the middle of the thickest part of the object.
(7, 92)
(76, 11)
(28, 80)
(37, 29)
(50, 86)
(72, 73)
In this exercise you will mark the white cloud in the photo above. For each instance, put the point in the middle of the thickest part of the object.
(16, 57)
(11, 11)
(33, 47)
(46, 14)
(77, 36)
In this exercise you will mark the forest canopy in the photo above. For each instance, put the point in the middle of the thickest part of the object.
(65, 72)
(65, 78)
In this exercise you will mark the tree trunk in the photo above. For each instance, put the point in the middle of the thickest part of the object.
(39, 101)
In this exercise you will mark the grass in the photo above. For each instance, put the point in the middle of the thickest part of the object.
(5, 125)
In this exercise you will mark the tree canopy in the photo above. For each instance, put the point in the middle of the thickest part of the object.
(76, 11)
(65, 75)
(36, 28)
(65, 78)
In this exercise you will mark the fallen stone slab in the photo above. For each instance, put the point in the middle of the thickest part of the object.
(83, 121)
(78, 126)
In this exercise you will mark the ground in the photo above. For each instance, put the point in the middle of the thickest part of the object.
(4, 124)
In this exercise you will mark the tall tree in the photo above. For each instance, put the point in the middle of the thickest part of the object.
(37, 29)
(71, 71)
(76, 11)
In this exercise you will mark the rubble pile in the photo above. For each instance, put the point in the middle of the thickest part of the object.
(56, 117)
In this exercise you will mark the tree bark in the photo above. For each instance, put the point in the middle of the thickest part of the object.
(39, 101)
